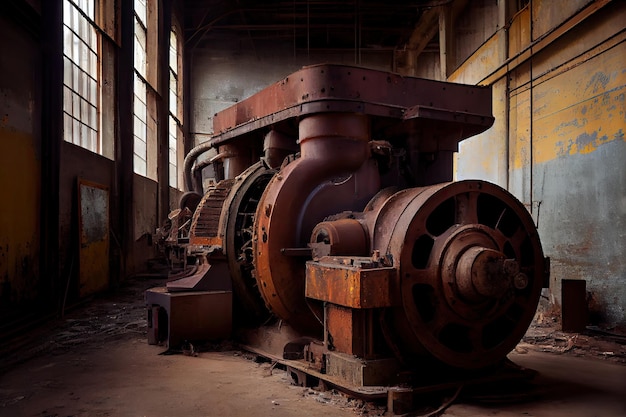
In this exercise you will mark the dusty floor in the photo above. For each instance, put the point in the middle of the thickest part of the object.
(96, 362)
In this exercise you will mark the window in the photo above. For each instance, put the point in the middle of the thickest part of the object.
(80, 75)
(140, 129)
(140, 107)
(174, 119)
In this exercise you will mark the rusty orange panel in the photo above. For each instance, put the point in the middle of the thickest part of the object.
(343, 89)
(349, 285)
(345, 329)
(206, 241)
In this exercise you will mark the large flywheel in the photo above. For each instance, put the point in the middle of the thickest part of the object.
(471, 270)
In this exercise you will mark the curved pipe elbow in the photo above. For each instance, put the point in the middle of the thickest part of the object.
(298, 197)
(190, 159)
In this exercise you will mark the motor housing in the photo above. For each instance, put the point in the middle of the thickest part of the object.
(346, 245)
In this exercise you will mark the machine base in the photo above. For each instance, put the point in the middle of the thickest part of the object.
(176, 317)
(374, 380)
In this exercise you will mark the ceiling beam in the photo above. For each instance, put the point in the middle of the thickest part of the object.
(429, 24)
(425, 29)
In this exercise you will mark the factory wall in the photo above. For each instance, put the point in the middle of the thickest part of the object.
(78, 164)
(21, 283)
(222, 76)
(101, 265)
(558, 79)
(73, 223)
(145, 202)
(558, 73)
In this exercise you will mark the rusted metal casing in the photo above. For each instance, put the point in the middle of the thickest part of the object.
(352, 255)
(345, 282)
(169, 316)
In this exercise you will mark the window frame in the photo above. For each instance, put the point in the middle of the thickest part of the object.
(175, 147)
(82, 73)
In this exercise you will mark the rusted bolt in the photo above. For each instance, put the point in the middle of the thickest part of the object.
(510, 267)
(520, 281)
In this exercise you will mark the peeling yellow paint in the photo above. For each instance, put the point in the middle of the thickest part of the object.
(483, 62)
(93, 228)
(19, 213)
(582, 109)
(520, 130)
(519, 32)
(94, 267)
(519, 117)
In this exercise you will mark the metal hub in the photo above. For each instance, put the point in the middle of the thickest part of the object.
(469, 269)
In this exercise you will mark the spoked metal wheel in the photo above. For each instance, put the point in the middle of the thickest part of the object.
(238, 231)
(471, 272)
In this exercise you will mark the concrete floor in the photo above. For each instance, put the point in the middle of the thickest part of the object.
(98, 364)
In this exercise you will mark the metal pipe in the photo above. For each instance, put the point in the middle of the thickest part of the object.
(221, 155)
(276, 147)
(189, 161)
(235, 160)
(198, 167)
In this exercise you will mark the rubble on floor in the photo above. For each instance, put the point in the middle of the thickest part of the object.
(123, 316)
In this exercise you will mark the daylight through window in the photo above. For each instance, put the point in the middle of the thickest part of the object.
(80, 75)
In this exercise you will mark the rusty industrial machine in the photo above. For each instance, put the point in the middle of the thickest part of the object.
(335, 241)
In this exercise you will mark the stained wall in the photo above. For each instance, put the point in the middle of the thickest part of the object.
(558, 73)
(20, 168)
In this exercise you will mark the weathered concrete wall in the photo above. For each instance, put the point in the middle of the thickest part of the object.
(20, 166)
(579, 177)
(519, 134)
(492, 164)
(175, 195)
(221, 77)
(25, 174)
(77, 163)
(548, 14)
(145, 222)
(429, 66)
(474, 27)
(562, 139)
(485, 60)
